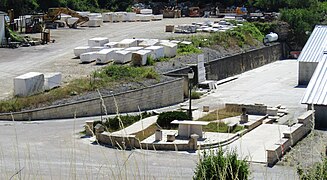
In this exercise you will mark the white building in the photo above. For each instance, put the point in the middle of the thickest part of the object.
(2, 27)
(311, 54)
(316, 93)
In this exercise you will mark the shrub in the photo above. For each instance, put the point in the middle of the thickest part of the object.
(317, 171)
(188, 49)
(119, 122)
(195, 95)
(216, 165)
(164, 119)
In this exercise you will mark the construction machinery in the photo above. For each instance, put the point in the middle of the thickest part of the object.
(34, 24)
(52, 18)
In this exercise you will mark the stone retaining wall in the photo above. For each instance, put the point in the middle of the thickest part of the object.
(255, 109)
(159, 95)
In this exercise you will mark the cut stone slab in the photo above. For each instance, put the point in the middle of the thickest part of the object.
(88, 57)
(104, 56)
(95, 22)
(144, 17)
(52, 80)
(133, 49)
(122, 56)
(139, 58)
(146, 11)
(111, 45)
(126, 43)
(96, 48)
(28, 84)
(170, 49)
(158, 51)
(81, 49)
(149, 42)
(272, 111)
(98, 41)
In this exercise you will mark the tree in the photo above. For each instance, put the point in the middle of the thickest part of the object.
(221, 165)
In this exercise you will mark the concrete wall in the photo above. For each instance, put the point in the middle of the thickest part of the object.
(306, 70)
(2, 29)
(225, 67)
(160, 95)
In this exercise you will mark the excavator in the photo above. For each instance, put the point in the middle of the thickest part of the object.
(51, 19)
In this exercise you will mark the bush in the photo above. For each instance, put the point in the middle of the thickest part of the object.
(165, 118)
(120, 122)
(318, 171)
(195, 95)
(216, 165)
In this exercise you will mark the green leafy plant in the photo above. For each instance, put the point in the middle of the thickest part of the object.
(195, 95)
(164, 119)
(317, 171)
(221, 165)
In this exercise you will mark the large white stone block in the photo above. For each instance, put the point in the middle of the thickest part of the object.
(130, 16)
(98, 41)
(52, 80)
(122, 56)
(126, 43)
(139, 58)
(170, 49)
(157, 17)
(158, 51)
(88, 57)
(71, 20)
(149, 42)
(111, 45)
(134, 49)
(95, 22)
(104, 56)
(146, 11)
(144, 17)
(96, 48)
(81, 49)
(28, 84)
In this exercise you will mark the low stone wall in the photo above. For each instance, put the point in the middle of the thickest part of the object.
(290, 138)
(159, 95)
(255, 109)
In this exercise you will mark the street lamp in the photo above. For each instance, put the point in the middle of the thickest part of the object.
(190, 76)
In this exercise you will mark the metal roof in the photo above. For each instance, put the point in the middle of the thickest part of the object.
(316, 92)
(315, 46)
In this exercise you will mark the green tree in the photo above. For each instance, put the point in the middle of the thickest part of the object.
(221, 165)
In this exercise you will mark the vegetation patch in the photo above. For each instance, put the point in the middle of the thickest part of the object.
(221, 165)
(317, 171)
(219, 114)
(109, 76)
(164, 119)
(120, 122)
(221, 127)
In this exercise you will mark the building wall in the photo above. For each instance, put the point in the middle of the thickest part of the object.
(320, 116)
(306, 70)
(2, 29)
(156, 96)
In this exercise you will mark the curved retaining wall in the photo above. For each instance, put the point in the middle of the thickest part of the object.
(159, 95)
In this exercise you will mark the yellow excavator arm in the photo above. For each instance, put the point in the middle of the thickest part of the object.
(54, 14)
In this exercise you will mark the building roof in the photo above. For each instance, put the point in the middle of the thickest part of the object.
(316, 92)
(316, 44)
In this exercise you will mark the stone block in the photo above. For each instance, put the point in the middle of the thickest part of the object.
(126, 43)
(28, 84)
(170, 28)
(122, 56)
(81, 49)
(158, 51)
(170, 49)
(272, 111)
(98, 41)
(52, 80)
(140, 57)
(88, 57)
(171, 137)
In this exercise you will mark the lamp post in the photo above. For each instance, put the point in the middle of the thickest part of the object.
(190, 76)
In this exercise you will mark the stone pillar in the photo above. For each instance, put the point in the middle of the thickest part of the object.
(244, 116)
(99, 128)
(89, 128)
(194, 142)
(158, 135)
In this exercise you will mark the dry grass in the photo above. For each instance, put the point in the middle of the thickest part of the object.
(218, 115)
